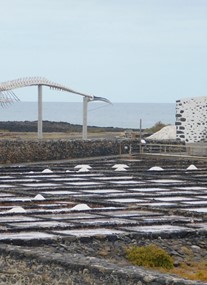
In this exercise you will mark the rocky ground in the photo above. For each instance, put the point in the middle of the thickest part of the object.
(195, 248)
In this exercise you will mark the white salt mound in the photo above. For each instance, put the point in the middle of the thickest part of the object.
(156, 168)
(166, 133)
(39, 197)
(83, 169)
(17, 209)
(120, 168)
(81, 207)
(47, 170)
(192, 167)
(83, 166)
(120, 165)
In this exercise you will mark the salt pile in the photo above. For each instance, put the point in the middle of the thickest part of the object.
(47, 171)
(166, 133)
(120, 167)
(82, 166)
(156, 168)
(81, 207)
(192, 167)
(17, 209)
(39, 197)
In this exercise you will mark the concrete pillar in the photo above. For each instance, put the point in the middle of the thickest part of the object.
(39, 126)
(85, 118)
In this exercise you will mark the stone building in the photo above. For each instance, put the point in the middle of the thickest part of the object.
(191, 119)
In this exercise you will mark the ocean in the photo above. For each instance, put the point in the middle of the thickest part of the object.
(124, 115)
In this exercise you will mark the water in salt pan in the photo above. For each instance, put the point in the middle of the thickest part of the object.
(167, 181)
(26, 236)
(40, 224)
(18, 218)
(43, 176)
(127, 182)
(192, 188)
(108, 221)
(101, 191)
(159, 204)
(20, 180)
(147, 189)
(165, 199)
(22, 199)
(41, 184)
(58, 192)
(126, 200)
(6, 195)
(159, 228)
(83, 183)
(114, 178)
(67, 179)
(196, 202)
(200, 210)
(91, 232)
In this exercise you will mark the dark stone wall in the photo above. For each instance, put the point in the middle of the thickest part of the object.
(46, 150)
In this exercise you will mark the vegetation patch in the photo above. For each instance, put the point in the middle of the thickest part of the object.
(154, 257)
(150, 256)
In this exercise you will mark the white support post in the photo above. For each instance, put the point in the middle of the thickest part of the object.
(39, 127)
(85, 117)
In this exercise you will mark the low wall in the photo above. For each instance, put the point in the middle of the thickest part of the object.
(17, 151)
(46, 150)
(197, 149)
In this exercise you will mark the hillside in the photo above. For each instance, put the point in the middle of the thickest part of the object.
(48, 126)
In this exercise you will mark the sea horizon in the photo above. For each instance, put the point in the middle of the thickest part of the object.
(123, 115)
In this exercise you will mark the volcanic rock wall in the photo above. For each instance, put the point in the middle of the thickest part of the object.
(46, 150)
(191, 119)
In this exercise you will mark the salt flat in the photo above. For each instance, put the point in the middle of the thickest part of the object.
(102, 201)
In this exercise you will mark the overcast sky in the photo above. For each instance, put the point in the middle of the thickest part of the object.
(125, 50)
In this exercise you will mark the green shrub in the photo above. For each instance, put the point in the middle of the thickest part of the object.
(157, 126)
(149, 256)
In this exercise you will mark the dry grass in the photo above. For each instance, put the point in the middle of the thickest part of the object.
(56, 135)
(193, 271)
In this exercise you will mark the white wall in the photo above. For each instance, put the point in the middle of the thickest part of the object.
(191, 119)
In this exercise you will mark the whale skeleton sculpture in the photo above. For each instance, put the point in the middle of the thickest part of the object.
(8, 96)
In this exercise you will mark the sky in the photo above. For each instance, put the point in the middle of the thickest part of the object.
(151, 51)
